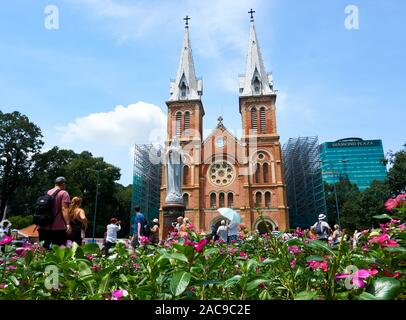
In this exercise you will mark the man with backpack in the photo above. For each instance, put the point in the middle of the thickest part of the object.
(140, 226)
(322, 228)
(51, 215)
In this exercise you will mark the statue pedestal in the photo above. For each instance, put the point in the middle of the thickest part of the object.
(171, 212)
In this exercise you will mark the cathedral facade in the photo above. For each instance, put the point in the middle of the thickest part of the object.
(245, 174)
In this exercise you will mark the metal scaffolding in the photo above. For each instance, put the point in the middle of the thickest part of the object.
(305, 190)
(147, 176)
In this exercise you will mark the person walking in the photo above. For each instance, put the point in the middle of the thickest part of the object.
(322, 228)
(337, 234)
(139, 227)
(154, 237)
(213, 236)
(111, 236)
(57, 232)
(222, 231)
(232, 232)
(184, 228)
(79, 222)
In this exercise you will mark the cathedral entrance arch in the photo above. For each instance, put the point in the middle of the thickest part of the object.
(262, 224)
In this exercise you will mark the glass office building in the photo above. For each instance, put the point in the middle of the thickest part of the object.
(361, 161)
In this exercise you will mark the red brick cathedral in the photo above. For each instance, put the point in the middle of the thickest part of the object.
(221, 170)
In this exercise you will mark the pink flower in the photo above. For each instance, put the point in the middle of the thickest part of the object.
(315, 265)
(261, 259)
(401, 197)
(95, 268)
(11, 268)
(21, 251)
(6, 240)
(402, 226)
(384, 241)
(358, 276)
(199, 246)
(262, 286)
(233, 250)
(136, 266)
(390, 204)
(3, 286)
(191, 227)
(243, 255)
(118, 294)
(192, 289)
(379, 239)
(294, 250)
(144, 240)
(89, 257)
(293, 264)
(391, 243)
(388, 274)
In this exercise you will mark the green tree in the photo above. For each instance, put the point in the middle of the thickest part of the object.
(397, 171)
(347, 199)
(20, 141)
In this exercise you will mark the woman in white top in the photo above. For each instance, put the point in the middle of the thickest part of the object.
(111, 235)
(222, 231)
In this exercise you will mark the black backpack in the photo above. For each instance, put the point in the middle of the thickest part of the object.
(44, 214)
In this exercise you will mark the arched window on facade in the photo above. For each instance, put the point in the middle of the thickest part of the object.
(186, 124)
(257, 85)
(262, 119)
(265, 169)
(267, 199)
(186, 200)
(178, 123)
(258, 173)
(213, 200)
(221, 200)
(230, 200)
(183, 90)
(258, 199)
(185, 175)
(254, 120)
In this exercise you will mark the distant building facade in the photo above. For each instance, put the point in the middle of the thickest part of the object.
(361, 161)
(304, 182)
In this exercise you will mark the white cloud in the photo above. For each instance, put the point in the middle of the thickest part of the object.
(124, 126)
(217, 26)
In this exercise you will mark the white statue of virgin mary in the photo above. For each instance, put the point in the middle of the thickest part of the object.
(174, 165)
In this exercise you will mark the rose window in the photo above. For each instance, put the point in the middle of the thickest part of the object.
(221, 173)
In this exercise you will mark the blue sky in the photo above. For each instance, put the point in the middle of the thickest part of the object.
(332, 82)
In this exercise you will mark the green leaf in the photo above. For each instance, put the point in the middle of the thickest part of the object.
(385, 288)
(320, 245)
(103, 287)
(60, 252)
(178, 256)
(14, 280)
(265, 295)
(382, 217)
(90, 248)
(232, 281)
(367, 296)
(270, 261)
(218, 262)
(306, 295)
(253, 285)
(314, 258)
(179, 282)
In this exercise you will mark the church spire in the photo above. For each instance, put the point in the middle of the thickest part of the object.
(186, 86)
(255, 81)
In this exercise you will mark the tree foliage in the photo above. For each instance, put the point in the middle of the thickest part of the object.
(397, 172)
(20, 141)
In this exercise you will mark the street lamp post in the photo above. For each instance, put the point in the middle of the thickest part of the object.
(335, 195)
(96, 198)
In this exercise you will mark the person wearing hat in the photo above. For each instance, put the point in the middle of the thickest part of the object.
(321, 228)
(154, 237)
(57, 232)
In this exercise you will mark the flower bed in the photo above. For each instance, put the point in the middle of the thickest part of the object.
(257, 267)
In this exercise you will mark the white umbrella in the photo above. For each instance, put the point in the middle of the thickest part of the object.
(230, 214)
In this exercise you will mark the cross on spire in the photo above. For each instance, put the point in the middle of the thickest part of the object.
(251, 12)
(187, 21)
